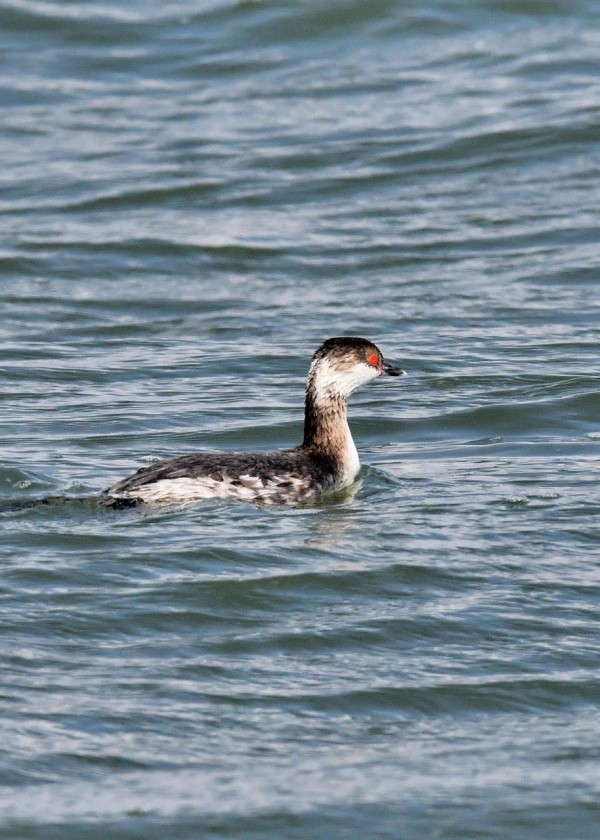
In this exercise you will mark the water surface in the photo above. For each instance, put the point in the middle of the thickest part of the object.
(193, 196)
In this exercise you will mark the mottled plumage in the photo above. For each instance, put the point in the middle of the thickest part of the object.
(326, 459)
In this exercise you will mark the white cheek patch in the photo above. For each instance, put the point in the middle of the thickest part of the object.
(330, 382)
(357, 376)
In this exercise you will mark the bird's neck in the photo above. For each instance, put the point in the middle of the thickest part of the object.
(326, 430)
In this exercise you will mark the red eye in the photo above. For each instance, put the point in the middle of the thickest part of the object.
(373, 360)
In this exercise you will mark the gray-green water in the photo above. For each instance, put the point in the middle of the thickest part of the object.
(193, 195)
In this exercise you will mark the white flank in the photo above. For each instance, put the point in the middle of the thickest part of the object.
(247, 488)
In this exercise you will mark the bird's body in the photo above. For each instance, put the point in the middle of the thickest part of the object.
(326, 460)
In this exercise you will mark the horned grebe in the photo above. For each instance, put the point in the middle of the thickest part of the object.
(326, 460)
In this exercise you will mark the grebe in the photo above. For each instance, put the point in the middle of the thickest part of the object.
(326, 460)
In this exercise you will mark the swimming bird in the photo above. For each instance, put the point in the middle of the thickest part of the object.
(325, 461)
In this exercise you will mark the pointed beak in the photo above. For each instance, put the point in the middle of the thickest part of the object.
(390, 370)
